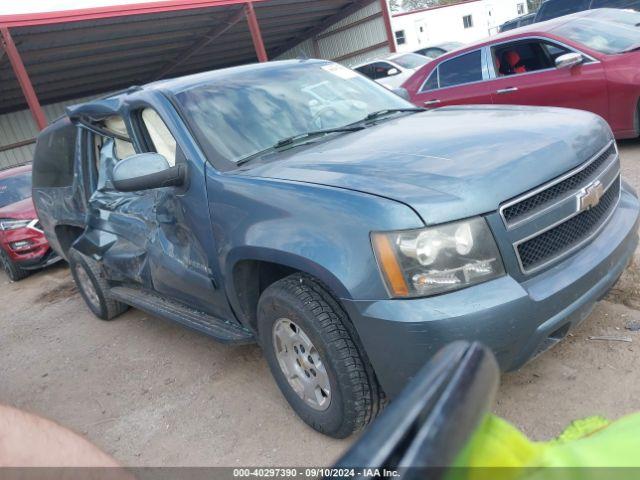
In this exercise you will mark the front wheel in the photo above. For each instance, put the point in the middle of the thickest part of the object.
(13, 271)
(314, 355)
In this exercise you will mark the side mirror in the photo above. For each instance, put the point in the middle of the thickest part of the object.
(402, 92)
(146, 171)
(392, 71)
(569, 60)
(432, 420)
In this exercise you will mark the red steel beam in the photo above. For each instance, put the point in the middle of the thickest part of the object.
(23, 78)
(386, 15)
(64, 16)
(256, 35)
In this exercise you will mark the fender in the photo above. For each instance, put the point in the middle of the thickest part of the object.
(323, 231)
(286, 259)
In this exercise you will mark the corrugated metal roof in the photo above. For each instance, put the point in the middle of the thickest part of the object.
(81, 58)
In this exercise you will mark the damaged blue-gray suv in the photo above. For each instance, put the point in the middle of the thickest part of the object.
(301, 206)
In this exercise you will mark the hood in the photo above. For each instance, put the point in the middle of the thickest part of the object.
(449, 163)
(19, 210)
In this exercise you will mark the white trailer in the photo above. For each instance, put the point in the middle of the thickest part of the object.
(466, 21)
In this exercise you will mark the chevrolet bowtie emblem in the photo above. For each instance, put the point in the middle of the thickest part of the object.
(590, 196)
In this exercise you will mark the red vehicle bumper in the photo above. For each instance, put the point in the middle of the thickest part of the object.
(27, 247)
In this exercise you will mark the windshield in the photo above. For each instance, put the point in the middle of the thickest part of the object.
(609, 34)
(14, 189)
(247, 112)
(410, 60)
(448, 46)
(558, 8)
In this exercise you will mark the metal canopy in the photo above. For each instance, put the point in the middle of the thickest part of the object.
(84, 52)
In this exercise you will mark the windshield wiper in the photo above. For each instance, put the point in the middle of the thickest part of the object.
(285, 142)
(389, 111)
(316, 133)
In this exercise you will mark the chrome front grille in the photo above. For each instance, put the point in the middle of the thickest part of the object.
(566, 236)
(555, 219)
(575, 180)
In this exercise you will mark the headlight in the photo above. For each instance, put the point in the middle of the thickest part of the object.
(420, 263)
(9, 224)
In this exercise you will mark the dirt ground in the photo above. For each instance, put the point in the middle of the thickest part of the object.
(152, 393)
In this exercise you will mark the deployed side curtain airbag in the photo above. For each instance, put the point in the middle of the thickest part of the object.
(105, 166)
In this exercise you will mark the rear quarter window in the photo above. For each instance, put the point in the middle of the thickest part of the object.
(54, 157)
(432, 82)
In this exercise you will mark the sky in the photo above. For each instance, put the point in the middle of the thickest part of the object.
(8, 7)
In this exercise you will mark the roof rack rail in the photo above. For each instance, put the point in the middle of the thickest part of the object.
(131, 89)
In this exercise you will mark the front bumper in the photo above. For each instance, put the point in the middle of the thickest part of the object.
(37, 262)
(36, 255)
(516, 320)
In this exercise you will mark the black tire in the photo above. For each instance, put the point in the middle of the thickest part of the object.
(13, 271)
(356, 398)
(98, 301)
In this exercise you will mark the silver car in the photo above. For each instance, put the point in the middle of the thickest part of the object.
(392, 71)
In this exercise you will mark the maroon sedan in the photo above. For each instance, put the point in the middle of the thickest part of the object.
(23, 246)
(589, 61)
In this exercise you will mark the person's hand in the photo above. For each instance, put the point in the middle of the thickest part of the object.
(27, 440)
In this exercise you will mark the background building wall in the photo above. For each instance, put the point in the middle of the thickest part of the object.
(19, 127)
(352, 40)
(446, 24)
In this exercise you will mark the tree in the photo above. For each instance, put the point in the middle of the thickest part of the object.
(534, 5)
(408, 5)
(395, 5)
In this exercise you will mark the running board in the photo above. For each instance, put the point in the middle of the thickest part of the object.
(154, 304)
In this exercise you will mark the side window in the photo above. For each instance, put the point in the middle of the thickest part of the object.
(109, 151)
(160, 136)
(431, 83)
(554, 51)
(123, 148)
(366, 70)
(466, 68)
(382, 69)
(54, 157)
(525, 57)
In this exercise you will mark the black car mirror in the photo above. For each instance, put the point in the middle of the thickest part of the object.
(146, 171)
(431, 421)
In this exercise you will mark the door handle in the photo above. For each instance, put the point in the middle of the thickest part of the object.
(502, 91)
(432, 102)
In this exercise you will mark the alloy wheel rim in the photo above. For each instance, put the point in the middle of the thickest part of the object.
(301, 364)
(87, 286)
